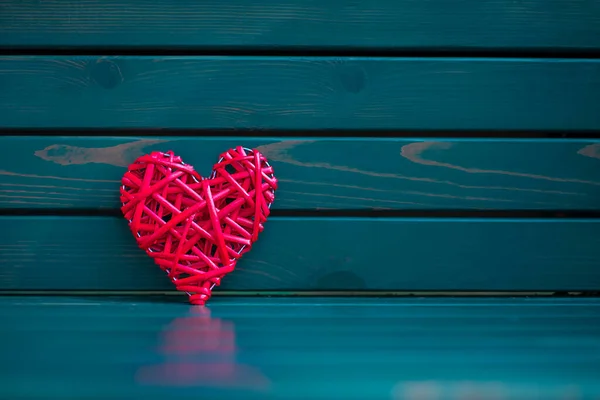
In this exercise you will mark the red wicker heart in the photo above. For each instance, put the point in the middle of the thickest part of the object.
(196, 229)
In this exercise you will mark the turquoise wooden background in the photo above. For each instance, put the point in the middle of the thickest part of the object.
(438, 25)
(300, 93)
(323, 173)
(319, 253)
(486, 110)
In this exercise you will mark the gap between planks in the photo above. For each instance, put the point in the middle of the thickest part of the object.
(341, 293)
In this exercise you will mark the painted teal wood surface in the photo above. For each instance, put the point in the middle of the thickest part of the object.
(299, 93)
(87, 253)
(322, 348)
(303, 24)
(322, 173)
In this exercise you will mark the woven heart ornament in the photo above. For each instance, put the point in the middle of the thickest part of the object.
(196, 229)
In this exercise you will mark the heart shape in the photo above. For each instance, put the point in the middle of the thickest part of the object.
(196, 229)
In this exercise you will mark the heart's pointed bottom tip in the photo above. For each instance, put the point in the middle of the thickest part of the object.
(199, 299)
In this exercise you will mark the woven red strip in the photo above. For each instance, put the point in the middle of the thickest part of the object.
(197, 229)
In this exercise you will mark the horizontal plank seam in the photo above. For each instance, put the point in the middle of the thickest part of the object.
(343, 213)
(333, 134)
(306, 51)
(303, 293)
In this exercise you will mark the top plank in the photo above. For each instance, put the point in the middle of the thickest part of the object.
(304, 24)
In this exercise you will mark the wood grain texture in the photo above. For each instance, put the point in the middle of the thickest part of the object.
(322, 173)
(303, 24)
(299, 93)
(85, 253)
(321, 348)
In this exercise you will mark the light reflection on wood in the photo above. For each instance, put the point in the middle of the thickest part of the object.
(491, 390)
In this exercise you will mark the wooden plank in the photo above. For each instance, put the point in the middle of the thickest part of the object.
(322, 173)
(299, 93)
(259, 348)
(85, 253)
(303, 24)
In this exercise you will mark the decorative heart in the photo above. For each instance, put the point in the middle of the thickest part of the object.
(196, 229)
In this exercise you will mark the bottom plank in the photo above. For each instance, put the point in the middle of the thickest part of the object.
(345, 348)
(99, 253)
